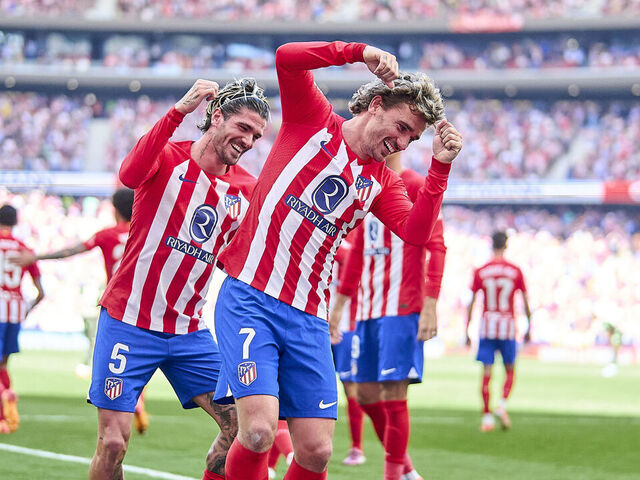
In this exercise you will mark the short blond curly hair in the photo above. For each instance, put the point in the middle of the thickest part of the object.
(415, 89)
(236, 95)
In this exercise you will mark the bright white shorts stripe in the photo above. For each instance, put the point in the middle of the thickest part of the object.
(86, 461)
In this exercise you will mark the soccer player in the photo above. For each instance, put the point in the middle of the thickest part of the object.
(499, 280)
(341, 348)
(111, 242)
(322, 176)
(189, 199)
(396, 312)
(13, 311)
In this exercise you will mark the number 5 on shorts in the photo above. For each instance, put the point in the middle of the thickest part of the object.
(116, 355)
(250, 333)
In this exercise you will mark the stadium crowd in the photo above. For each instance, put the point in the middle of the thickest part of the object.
(577, 261)
(185, 53)
(324, 10)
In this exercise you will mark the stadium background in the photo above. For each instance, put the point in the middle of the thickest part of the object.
(546, 95)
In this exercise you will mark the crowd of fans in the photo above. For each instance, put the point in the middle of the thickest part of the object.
(504, 139)
(318, 10)
(580, 265)
(171, 54)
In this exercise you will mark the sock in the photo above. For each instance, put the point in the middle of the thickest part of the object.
(378, 418)
(243, 463)
(408, 464)
(355, 416)
(396, 435)
(283, 439)
(508, 383)
(296, 472)
(4, 379)
(485, 393)
(392, 471)
(211, 476)
(274, 455)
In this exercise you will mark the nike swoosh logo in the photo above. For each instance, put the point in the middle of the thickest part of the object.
(387, 371)
(181, 177)
(323, 144)
(323, 405)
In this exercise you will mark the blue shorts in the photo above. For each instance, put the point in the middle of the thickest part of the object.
(387, 349)
(9, 338)
(125, 357)
(488, 346)
(271, 348)
(342, 357)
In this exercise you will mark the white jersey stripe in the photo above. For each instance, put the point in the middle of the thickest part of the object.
(151, 243)
(288, 174)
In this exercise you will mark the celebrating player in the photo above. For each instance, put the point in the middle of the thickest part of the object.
(322, 176)
(189, 200)
(111, 242)
(396, 313)
(13, 311)
(499, 280)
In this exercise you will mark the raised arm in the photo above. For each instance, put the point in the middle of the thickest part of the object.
(143, 161)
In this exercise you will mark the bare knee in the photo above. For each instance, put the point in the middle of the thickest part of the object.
(314, 453)
(258, 435)
(369, 392)
(112, 446)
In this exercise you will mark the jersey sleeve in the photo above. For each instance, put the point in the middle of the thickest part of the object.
(351, 270)
(302, 101)
(435, 266)
(95, 241)
(33, 270)
(521, 284)
(143, 161)
(412, 222)
(476, 283)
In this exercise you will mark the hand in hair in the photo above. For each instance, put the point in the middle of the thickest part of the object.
(447, 142)
(201, 90)
(382, 64)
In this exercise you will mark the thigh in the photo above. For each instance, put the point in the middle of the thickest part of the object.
(124, 359)
(342, 357)
(486, 351)
(365, 351)
(192, 365)
(307, 379)
(306, 433)
(248, 325)
(401, 353)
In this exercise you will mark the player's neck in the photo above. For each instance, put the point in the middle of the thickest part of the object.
(5, 230)
(205, 156)
(351, 132)
(394, 162)
(498, 254)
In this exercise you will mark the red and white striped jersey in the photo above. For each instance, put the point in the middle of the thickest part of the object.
(392, 277)
(348, 320)
(182, 217)
(111, 242)
(499, 280)
(313, 190)
(12, 306)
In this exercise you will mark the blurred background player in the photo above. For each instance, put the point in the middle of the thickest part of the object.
(499, 280)
(399, 285)
(111, 242)
(282, 447)
(614, 336)
(341, 348)
(13, 311)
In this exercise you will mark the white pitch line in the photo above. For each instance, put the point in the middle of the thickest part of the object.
(86, 461)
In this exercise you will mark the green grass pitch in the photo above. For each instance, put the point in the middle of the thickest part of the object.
(568, 423)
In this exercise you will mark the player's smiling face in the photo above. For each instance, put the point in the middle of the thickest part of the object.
(392, 130)
(237, 134)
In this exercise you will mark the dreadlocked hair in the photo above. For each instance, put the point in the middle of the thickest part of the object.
(415, 89)
(236, 95)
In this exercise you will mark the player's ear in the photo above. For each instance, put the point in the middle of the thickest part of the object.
(216, 117)
(375, 104)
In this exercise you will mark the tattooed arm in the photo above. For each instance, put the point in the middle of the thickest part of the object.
(227, 419)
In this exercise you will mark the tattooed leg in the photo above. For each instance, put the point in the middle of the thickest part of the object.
(226, 418)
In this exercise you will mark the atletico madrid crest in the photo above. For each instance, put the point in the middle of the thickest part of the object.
(232, 204)
(113, 387)
(363, 187)
(247, 372)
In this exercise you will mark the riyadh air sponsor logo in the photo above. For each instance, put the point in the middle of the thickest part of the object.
(189, 249)
(233, 204)
(328, 195)
(203, 222)
(182, 179)
(317, 220)
(324, 406)
(374, 228)
(247, 373)
(113, 387)
(363, 188)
